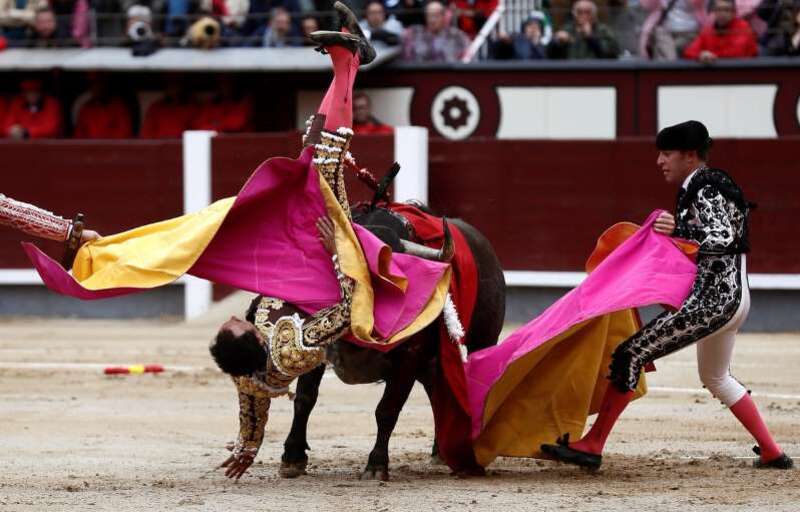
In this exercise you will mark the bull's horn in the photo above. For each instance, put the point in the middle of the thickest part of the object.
(448, 249)
(445, 254)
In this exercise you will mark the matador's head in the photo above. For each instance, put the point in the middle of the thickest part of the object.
(239, 349)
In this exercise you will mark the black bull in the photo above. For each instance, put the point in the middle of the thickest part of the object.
(415, 359)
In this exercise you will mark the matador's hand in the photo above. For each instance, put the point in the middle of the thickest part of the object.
(88, 235)
(665, 224)
(327, 234)
(236, 465)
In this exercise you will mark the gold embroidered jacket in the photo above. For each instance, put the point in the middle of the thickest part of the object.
(329, 158)
(296, 343)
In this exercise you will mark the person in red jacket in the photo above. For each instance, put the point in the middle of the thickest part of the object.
(230, 111)
(32, 114)
(472, 14)
(364, 123)
(173, 114)
(728, 37)
(104, 115)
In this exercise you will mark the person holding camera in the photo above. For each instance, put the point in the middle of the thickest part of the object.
(584, 37)
(139, 31)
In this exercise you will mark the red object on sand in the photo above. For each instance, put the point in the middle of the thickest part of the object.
(134, 369)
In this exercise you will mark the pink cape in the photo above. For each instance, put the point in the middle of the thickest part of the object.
(646, 269)
(268, 244)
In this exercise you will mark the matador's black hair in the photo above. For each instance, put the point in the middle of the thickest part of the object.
(240, 355)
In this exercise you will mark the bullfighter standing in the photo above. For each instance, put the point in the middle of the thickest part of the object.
(711, 211)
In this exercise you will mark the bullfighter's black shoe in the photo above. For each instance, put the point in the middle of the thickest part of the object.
(782, 461)
(563, 453)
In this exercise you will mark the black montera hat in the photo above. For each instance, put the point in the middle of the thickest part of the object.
(686, 136)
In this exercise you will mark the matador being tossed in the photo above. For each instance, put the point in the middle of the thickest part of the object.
(264, 240)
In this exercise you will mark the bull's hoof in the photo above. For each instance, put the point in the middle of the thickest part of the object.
(436, 460)
(376, 473)
(292, 469)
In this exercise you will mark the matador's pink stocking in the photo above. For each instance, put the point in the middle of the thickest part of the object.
(747, 413)
(337, 105)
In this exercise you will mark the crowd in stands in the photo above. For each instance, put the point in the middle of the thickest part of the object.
(424, 31)
(104, 113)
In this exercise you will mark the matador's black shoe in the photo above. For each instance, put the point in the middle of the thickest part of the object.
(563, 453)
(783, 461)
(348, 20)
(355, 40)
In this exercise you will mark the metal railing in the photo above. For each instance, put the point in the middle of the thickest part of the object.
(108, 29)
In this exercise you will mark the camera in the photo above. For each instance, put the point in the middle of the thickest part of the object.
(204, 33)
(140, 31)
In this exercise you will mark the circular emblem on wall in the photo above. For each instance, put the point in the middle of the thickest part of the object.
(455, 112)
(798, 110)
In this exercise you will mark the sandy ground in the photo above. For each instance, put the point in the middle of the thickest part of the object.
(74, 439)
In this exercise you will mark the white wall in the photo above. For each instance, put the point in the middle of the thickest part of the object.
(557, 113)
(739, 111)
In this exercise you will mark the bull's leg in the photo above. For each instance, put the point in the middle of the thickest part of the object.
(294, 459)
(436, 459)
(398, 388)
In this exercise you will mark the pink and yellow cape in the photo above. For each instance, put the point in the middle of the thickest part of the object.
(264, 240)
(548, 376)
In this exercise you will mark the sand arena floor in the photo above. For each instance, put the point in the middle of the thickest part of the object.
(74, 439)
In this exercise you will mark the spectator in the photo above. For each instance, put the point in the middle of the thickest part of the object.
(364, 123)
(104, 115)
(72, 22)
(42, 33)
(32, 114)
(380, 30)
(308, 25)
(781, 36)
(472, 14)
(626, 19)
(435, 41)
(229, 111)
(584, 37)
(667, 31)
(139, 31)
(173, 114)
(670, 26)
(260, 13)
(17, 15)
(728, 37)
(279, 33)
(235, 16)
(560, 11)
(109, 22)
(407, 12)
(524, 45)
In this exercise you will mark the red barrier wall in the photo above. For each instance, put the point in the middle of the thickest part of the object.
(541, 203)
(117, 185)
(235, 157)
